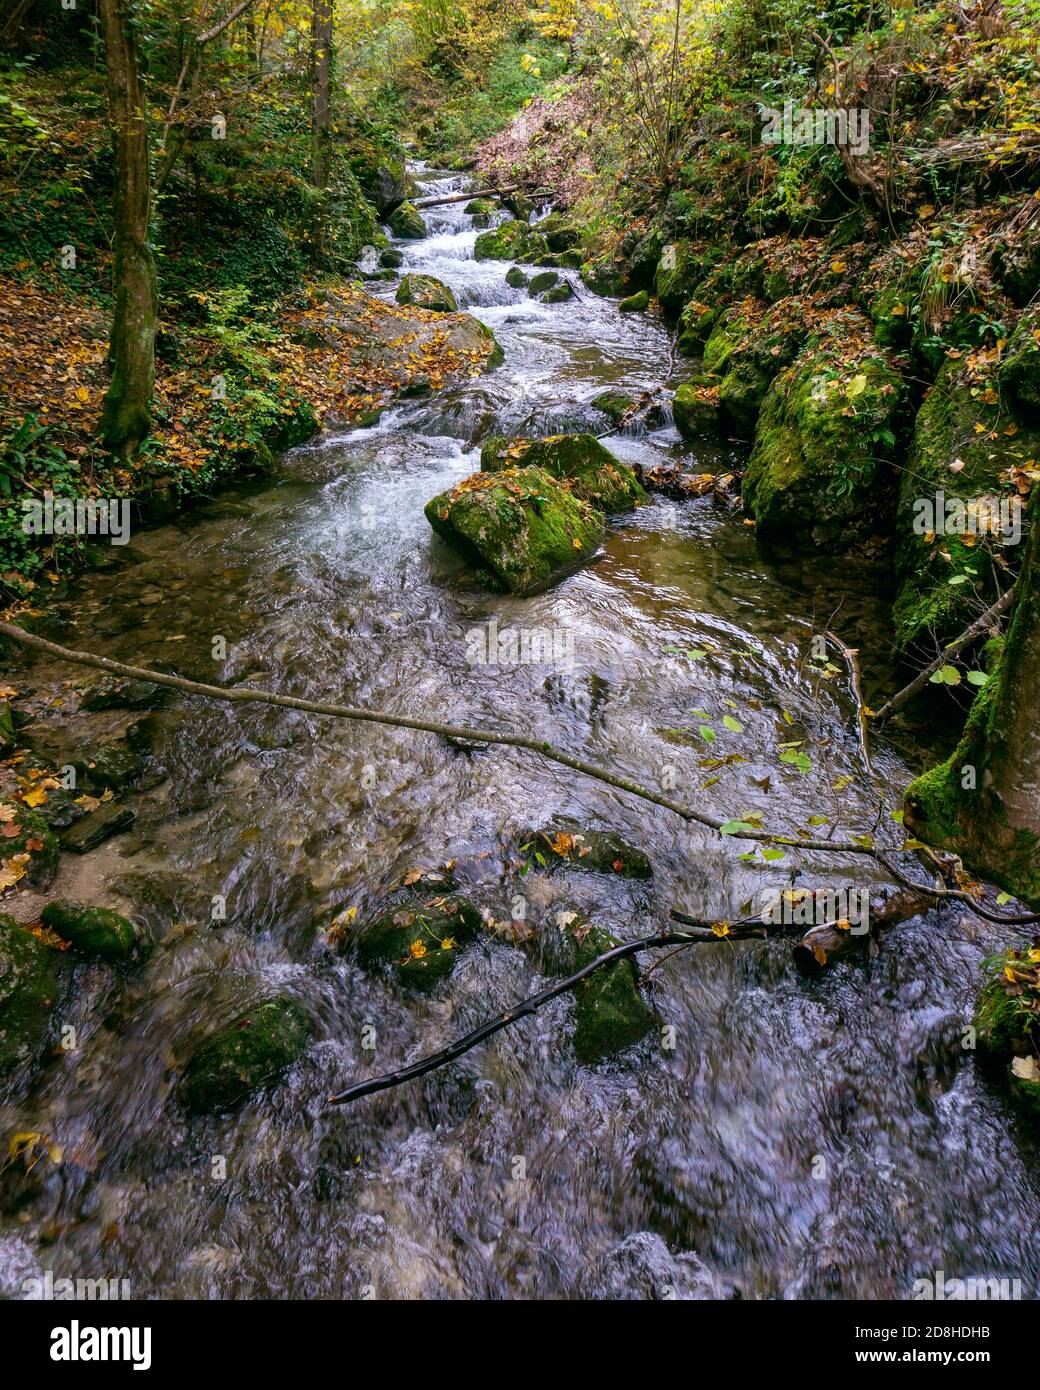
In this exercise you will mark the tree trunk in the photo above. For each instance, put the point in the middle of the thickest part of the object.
(984, 802)
(321, 107)
(127, 411)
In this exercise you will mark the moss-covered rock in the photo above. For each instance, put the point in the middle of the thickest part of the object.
(521, 526)
(963, 442)
(559, 294)
(614, 404)
(406, 221)
(513, 241)
(419, 941)
(817, 473)
(1007, 1022)
(746, 349)
(254, 1050)
(390, 258)
(594, 473)
(695, 407)
(28, 990)
(31, 852)
(480, 207)
(96, 932)
(559, 233)
(119, 692)
(610, 1013)
(1020, 366)
(682, 267)
(427, 292)
(635, 303)
(597, 851)
(7, 737)
(110, 763)
(515, 278)
(544, 280)
(605, 276)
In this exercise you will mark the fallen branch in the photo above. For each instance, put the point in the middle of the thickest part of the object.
(951, 650)
(828, 942)
(851, 655)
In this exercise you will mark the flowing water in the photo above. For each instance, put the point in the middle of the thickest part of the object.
(801, 1139)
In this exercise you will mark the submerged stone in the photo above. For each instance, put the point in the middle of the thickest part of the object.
(635, 303)
(521, 526)
(95, 932)
(427, 292)
(594, 473)
(600, 851)
(418, 941)
(28, 990)
(544, 280)
(88, 831)
(32, 850)
(515, 278)
(254, 1050)
(559, 294)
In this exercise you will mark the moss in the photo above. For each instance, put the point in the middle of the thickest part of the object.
(1020, 364)
(545, 280)
(28, 990)
(427, 292)
(256, 1048)
(559, 294)
(929, 608)
(418, 941)
(635, 303)
(595, 475)
(682, 267)
(597, 851)
(7, 738)
(480, 207)
(817, 470)
(515, 278)
(524, 528)
(614, 404)
(96, 932)
(610, 1013)
(511, 241)
(695, 407)
(1007, 1022)
(605, 276)
(746, 350)
(33, 838)
(406, 221)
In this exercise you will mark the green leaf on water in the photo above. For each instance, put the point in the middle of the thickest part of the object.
(732, 724)
(707, 733)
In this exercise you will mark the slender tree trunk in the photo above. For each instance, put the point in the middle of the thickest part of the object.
(984, 802)
(321, 105)
(126, 415)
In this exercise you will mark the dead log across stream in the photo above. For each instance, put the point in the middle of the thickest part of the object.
(481, 193)
(829, 942)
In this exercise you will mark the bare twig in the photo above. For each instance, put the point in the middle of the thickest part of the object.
(851, 655)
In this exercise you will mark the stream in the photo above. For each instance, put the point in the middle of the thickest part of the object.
(802, 1139)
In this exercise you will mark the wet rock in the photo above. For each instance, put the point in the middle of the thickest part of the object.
(745, 351)
(544, 280)
(595, 475)
(95, 932)
(386, 184)
(29, 848)
(119, 692)
(406, 221)
(682, 266)
(515, 278)
(510, 242)
(520, 525)
(253, 1051)
(610, 1013)
(615, 405)
(600, 851)
(635, 303)
(28, 990)
(606, 277)
(418, 940)
(559, 234)
(817, 473)
(695, 407)
(95, 827)
(390, 258)
(559, 294)
(427, 292)
(480, 207)
(642, 1267)
(102, 764)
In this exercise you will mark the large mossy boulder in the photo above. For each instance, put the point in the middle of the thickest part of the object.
(559, 233)
(254, 1050)
(1020, 365)
(695, 407)
(418, 941)
(746, 349)
(95, 932)
(635, 303)
(28, 991)
(386, 183)
(596, 851)
(544, 280)
(512, 241)
(521, 526)
(681, 268)
(818, 473)
(481, 207)
(427, 292)
(406, 222)
(595, 475)
(1007, 1022)
(965, 442)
